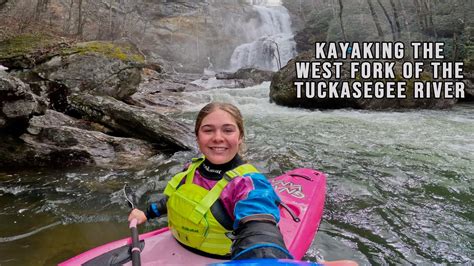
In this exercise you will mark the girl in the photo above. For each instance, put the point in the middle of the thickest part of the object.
(220, 206)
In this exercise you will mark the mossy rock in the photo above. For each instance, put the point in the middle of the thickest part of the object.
(25, 44)
(121, 51)
(26, 51)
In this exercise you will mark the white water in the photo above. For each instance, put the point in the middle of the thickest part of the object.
(399, 187)
(399, 183)
(273, 44)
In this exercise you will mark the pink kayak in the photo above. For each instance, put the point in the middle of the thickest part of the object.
(301, 190)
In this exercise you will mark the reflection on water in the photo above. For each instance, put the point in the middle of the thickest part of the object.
(57, 244)
(399, 185)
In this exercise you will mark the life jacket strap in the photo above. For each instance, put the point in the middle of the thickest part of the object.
(188, 173)
(211, 197)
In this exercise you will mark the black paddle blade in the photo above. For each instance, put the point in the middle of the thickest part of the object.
(129, 196)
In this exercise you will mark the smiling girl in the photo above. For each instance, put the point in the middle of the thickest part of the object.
(219, 206)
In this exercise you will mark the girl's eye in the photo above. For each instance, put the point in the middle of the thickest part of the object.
(229, 130)
(206, 129)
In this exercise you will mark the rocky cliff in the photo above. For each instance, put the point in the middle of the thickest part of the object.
(183, 36)
(65, 103)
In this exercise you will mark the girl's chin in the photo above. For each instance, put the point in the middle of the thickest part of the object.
(218, 159)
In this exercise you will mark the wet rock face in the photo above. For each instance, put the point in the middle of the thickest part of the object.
(56, 134)
(133, 121)
(92, 73)
(57, 139)
(247, 76)
(18, 103)
(469, 89)
(44, 124)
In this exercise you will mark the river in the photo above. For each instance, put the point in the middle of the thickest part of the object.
(399, 187)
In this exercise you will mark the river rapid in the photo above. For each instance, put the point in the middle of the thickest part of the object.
(399, 187)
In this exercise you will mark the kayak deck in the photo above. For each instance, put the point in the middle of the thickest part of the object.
(302, 190)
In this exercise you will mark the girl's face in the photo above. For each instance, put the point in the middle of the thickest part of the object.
(219, 137)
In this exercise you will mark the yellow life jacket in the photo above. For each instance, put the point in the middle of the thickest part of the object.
(189, 216)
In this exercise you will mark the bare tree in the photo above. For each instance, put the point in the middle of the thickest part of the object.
(388, 19)
(396, 18)
(376, 19)
(429, 17)
(23, 14)
(80, 23)
(455, 46)
(341, 7)
(421, 15)
(424, 14)
(67, 25)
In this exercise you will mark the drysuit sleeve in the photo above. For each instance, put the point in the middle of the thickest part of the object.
(249, 195)
(256, 234)
(258, 237)
(157, 208)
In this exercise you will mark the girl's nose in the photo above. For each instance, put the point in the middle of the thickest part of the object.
(218, 136)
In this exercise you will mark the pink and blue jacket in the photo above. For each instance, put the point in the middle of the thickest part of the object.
(251, 194)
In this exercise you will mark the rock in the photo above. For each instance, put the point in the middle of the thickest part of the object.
(105, 68)
(135, 122)
(73, 146)
(52, 118)
(19, 108)
(18, 102)
(246, 77)
(57, 139)
(163, 92)
(469, 90)
(51, 139)
(93, 67)
(255, 75)
(283, 92)
(26, 51)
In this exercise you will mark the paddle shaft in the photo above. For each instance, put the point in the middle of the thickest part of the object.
(135, 243)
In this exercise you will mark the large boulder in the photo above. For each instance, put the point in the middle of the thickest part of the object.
(162, 92)
(113, 133)
(101, 68)
(134, 122)
(283, 92)
(18, 103)
(27, 51)
(244, 77)
(56, 139)
(253, 75)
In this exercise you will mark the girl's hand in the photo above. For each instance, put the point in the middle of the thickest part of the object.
(137, 214)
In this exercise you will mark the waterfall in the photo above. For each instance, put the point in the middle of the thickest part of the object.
(273, 47)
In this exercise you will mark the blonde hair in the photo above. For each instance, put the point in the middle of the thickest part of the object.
(227, 107)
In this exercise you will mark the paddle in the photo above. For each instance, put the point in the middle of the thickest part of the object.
(127, 191)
